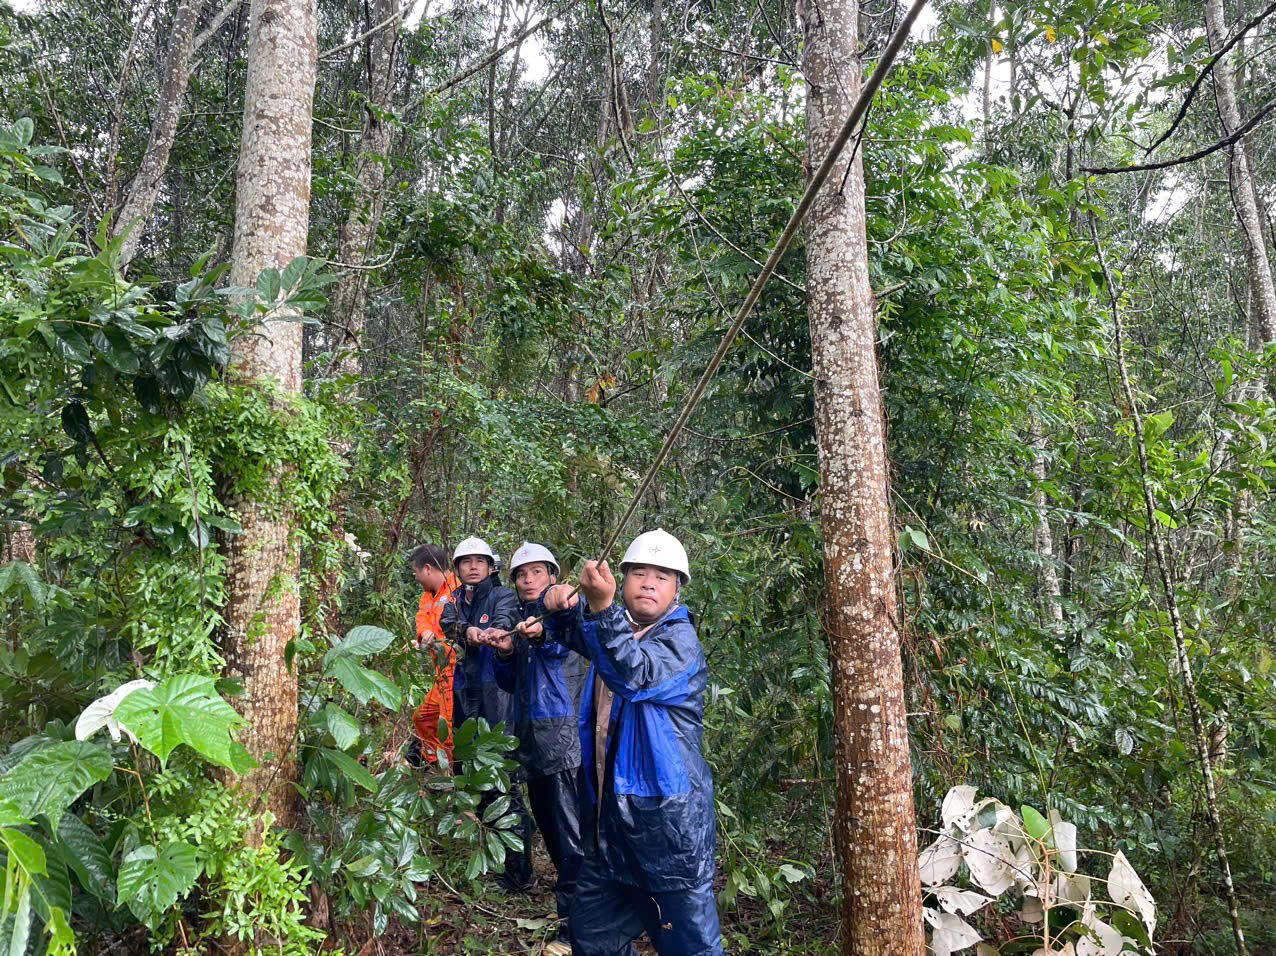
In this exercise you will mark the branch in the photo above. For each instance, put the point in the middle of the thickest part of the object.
(215, 24)
(394, 18)
(1223, 143)
(617, 80)
(494, 55)
(1205, 71)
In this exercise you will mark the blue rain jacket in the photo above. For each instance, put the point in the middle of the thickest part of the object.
(654, 819)
(545, 680)
(483, 605)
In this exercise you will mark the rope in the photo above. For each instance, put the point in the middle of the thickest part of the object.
(869, 90)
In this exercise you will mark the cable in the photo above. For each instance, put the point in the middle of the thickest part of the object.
(869, 90)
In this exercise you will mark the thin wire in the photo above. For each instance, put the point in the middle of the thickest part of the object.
(821, 175)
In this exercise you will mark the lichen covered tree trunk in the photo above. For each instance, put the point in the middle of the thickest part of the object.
(145, 187)
(1244, 190)
(875, 825)
(272, 204)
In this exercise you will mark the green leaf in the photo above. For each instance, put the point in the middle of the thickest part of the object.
(1034, 824)
(362, 641)
(87, 856)
(185, 709)
(364, 867)
(151, 881)
(20, 932)
(365, 684)
(497, 809)
(344, 728)
(350, 768)
(75, 422)
(25, 851)
(1158, 424)
(24, 130)
(913, 537)
(50, 779)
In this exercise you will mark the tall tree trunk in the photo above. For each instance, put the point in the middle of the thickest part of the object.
(875, 826)
(1043, 536)
(359, 231)
(272, 211)
(1164, 562)
(168, 110)
(358, 239)
(1244, 190)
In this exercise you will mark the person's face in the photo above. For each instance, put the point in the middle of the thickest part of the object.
(473, 569)
(429, 577)
(531, 580)
(648, 591)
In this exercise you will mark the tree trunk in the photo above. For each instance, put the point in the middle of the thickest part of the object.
(1164, 563)
(168, 110)
(359, 231)
(1043, 536)
(358, 239)
(272, 206)
(875, 826)
(1243, 188)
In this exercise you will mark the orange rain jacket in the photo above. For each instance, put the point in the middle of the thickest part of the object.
(438, 702)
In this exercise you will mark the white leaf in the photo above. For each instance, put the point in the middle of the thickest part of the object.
(958, 807)
(988, 855)
(1126, 889)
(1072, 887)
(952, 933)
(938, 862)
(101, 713)
(959, 901)
(1110, 943)
(1065, 841)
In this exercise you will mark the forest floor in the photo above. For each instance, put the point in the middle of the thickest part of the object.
(456, 922)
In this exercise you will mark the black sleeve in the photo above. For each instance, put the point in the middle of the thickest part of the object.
(504, 614)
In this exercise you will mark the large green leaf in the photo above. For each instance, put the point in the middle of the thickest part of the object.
(50, 779)
(185, 709)
(87, 856)
(362, 641)
(151, 881)
(364, 683)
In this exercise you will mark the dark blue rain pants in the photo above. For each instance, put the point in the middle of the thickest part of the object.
(555, 800)
(608, 915)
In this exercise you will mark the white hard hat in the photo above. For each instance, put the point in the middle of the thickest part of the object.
(660, 549)
(529, 553)
(473, 546)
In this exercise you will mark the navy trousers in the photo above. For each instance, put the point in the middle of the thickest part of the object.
(607, 916)
(555, 802)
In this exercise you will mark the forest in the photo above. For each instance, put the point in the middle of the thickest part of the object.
(942, 335)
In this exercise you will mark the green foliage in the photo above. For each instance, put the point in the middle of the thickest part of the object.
(185, 709)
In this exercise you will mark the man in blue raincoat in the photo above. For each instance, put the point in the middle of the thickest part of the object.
(650, 831)
(545, 680)
(480, 605)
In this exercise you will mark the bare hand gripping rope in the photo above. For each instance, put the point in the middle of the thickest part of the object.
(818, 179)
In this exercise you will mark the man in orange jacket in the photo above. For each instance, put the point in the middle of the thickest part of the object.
(430, 565)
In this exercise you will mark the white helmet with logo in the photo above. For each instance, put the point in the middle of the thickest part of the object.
(660, 549)
(529, 553)
(472, 546)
